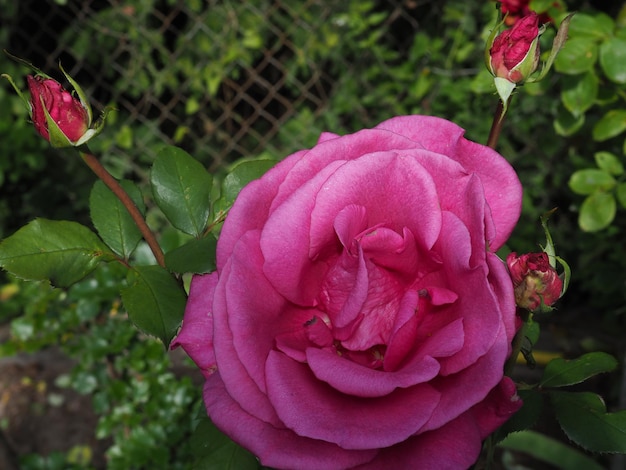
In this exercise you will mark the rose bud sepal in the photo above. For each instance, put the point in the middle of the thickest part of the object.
(550, 250)
(557, 45)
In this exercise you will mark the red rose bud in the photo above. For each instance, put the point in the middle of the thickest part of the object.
(65, 110)
(514, 54)
(535, 281)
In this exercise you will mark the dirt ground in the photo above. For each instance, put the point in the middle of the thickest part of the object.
(38, 417)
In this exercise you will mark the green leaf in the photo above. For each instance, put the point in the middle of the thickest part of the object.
(566, 124)
(181, 188)
(215, 451)
(597, 27)
(111, 219)
(562, 372)
(59, 251)
(612, 123)
(239, 176)
(613, 59)
(597, 212)
(549, 450)
(577, 56)
(609, 162)
(243, 173)
(584, 419)
(532, 332)
(620, 193)
(195, 256)
(590, 180)
(579, 92)
(155, 301)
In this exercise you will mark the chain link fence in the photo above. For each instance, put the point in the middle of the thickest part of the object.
(222, 79)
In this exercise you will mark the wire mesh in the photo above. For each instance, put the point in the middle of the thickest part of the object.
(219, 78)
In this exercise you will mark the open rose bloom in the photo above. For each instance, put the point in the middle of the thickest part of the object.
(359, 317)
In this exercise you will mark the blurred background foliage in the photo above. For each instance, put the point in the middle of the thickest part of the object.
(226, 80)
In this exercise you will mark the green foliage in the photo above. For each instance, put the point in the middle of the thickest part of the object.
(595, 72)
(549, 450)
(142, 406)
(584, 419)
(214, 451)
(602, 189)
(561, 372)
(579, 93)
(111, 219)
(155, 301)
(181, 188)
(195, 256)
(61, 252)
(578, 56)
(239, 175)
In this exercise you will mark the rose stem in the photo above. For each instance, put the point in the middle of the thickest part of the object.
(101, 172)
(496, 126)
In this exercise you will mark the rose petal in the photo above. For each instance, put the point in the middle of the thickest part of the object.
(476, 303)
(404, 332)
(345, 290)
(239, 350)
(275, 447)
(285, 243)
(503, 293)
(501, 403)
(454, 446)
(384, 183)
(331, 149)
(196, 334)
(361, 381)
(444, 342)
(462, 390)
(503, 189)
(313, 409)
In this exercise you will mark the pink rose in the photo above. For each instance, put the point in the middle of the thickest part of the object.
(359, 317)
(535, 281)
(68, 112)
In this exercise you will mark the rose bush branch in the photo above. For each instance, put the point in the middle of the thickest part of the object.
(106, 177)
(512, 57)
(67, 121)
(496, 126)
(64, 252)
